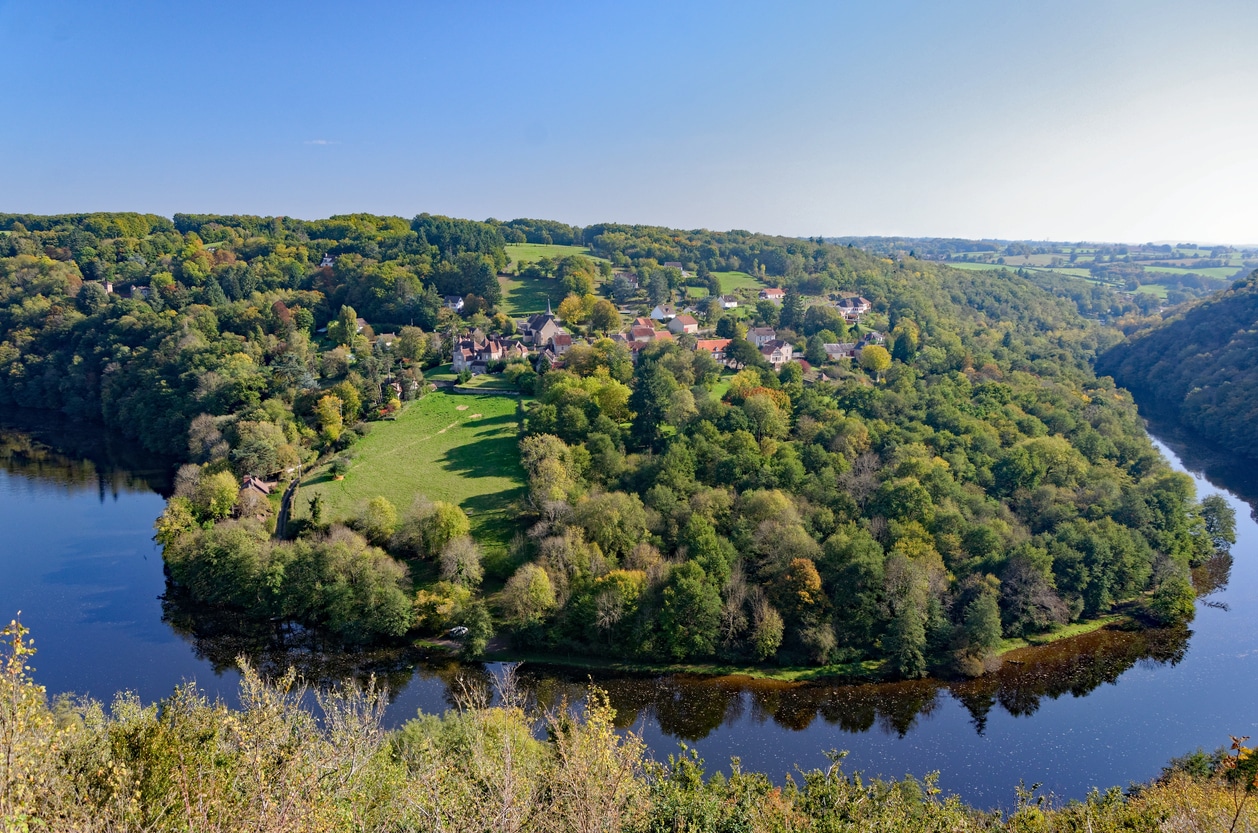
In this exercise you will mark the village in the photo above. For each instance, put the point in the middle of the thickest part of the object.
(543, 339)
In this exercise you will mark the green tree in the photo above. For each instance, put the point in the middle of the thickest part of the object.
(215, 495)
(907, 597)
(377, 520)
(1220, 521)
(792, 314)
(444, 523)
(824, 317)
(690, 614)
(767, 631)
(480, 629)
(605, 318)
(875, 359)
(743, 353)
(650, 401)
(906, 338)
(412, 344)
(344, 329)
(1174, 600)
(328, 414)
(982, 620)
(528, 595)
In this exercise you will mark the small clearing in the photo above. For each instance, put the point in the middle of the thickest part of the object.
(434, 449)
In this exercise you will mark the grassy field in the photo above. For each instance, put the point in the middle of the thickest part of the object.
(975, 267)
(1221, 272)
(488, 381)
(731, 281)
(1156, 289)
(459, 448)
(1069, 271)
(529, 252)
(441, 373)
(525, 296)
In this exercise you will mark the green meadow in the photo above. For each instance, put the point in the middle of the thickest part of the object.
(525, 296)
(521, 253)
(732, 281)
(459, 448)
(1221, 272)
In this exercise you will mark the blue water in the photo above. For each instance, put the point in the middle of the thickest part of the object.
(77, 558)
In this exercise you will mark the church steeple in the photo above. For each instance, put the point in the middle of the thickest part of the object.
(548, 312)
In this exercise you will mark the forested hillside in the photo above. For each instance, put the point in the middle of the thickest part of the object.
(969, 482)
(1200, 367)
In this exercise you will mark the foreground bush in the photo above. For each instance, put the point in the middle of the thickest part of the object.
(278, 764)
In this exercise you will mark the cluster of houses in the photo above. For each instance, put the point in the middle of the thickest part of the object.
(544, 340)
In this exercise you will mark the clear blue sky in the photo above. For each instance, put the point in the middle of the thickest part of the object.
(1129, 121)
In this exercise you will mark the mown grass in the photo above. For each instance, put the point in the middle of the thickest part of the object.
(521, 253)
(459, 448)
(525, 296)
(732, 281)
(488, 381)
(441, 373)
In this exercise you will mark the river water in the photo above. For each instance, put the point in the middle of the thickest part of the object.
(77, 558)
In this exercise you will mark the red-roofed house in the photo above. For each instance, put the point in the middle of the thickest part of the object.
(715, 347)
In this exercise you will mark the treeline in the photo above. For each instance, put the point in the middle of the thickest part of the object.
(1199, 366)
(969, 482)
(277, 764)
(226, 317)
(977, 484)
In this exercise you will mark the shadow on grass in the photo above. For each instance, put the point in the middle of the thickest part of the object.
(489, 457)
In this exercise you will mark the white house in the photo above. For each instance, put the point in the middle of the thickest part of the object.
(664, 312)
(854, 307)
(729, 302)
(773, 294)
(760, 336)
(777, 353)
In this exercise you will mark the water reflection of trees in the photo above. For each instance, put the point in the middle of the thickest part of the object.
(691, 708)
(1212, 576)
(1076, 666)
(221, 637)
(50, 448)
(1220, 466)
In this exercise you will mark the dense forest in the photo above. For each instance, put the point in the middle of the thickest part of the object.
(1199, 366)
(279, 764)
(970, 482)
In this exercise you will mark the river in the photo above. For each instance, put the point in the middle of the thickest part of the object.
(77, 558)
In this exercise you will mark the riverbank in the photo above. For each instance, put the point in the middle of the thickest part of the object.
(864, 671)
